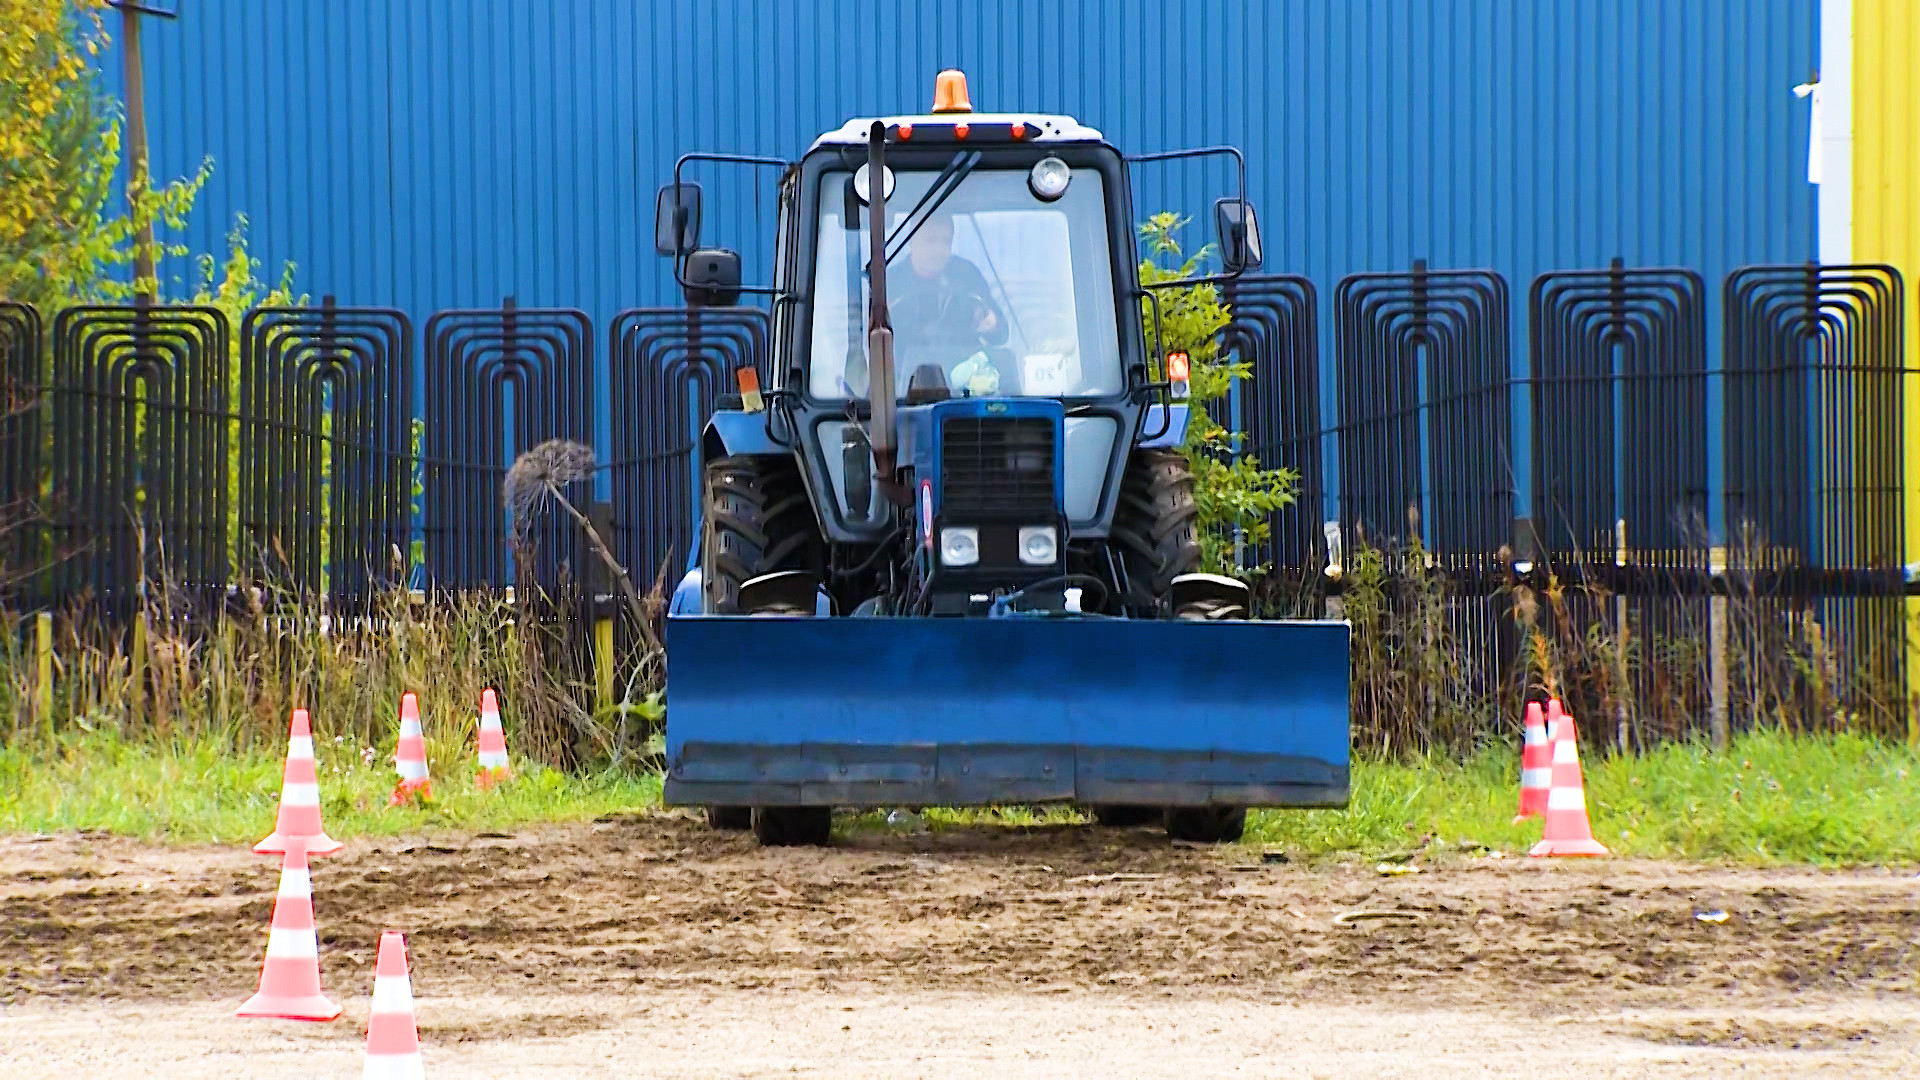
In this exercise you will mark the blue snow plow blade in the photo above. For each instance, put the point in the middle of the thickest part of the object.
(792, 711)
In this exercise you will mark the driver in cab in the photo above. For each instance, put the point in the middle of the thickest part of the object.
(943, 313)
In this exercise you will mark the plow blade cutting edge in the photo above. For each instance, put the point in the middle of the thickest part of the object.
(794, 711)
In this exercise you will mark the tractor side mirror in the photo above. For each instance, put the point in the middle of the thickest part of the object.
(856, 461)
(713, 278)
(676, 219)
(1238, 233)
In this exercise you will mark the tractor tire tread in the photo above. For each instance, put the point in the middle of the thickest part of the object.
(758, 521)
(1156, 525)
(1206, 824)
(793, 826)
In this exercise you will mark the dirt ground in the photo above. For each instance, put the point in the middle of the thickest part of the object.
(649, 944)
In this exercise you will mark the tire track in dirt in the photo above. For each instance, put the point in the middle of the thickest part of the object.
(660, 901)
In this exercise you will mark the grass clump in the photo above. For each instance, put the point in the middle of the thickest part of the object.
(1768, 798)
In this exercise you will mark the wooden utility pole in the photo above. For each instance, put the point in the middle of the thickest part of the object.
(137, 177)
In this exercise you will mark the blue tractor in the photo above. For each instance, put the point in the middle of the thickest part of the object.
(948, 555)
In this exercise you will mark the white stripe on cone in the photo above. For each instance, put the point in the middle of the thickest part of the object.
(300, 794)
(403, 1067)
(1564, 752)
(293, 944)
(1536, 778)
(409, 1067)
(1565, 798)
(392, 995)
(300, 746)
(296, 884)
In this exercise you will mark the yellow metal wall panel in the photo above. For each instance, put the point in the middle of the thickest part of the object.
(1886, 199)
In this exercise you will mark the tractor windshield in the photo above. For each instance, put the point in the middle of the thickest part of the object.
(997, 293)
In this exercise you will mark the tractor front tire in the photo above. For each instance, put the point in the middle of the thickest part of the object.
(1123, 816)
(758, 521)
(793, 826)
(1206, 824)
(1156, 527)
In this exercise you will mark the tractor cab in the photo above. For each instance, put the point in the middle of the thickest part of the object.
(1010, 278)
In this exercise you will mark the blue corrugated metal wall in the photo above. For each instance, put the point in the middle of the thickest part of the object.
(439, 153)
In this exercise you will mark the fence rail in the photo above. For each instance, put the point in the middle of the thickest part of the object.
(329, 450)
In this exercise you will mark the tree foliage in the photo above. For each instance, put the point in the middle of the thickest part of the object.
(59, 150)
(1234, 491)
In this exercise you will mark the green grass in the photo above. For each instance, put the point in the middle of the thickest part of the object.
(200, 792)
(1770, 798)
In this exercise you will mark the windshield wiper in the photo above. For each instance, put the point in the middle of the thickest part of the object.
(943, 185)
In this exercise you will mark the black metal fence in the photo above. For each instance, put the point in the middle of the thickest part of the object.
(1790, 602)
(325, 463)
(21, 377)
(138, 478)
(144, 444)
(677, 365)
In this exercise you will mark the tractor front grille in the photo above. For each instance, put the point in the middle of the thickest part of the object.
(997, 468)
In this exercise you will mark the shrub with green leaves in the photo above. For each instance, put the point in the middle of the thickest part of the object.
(1235, 492)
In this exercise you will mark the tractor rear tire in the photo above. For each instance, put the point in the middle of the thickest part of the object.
(1156, 527)
(793, 826)
(730, 818)
(1206, 824)
(1125, 817)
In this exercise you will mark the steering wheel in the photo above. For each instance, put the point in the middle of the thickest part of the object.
(931, 314)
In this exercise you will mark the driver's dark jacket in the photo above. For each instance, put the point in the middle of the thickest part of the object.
(933, 318)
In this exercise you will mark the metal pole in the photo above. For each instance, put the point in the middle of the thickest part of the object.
(137, 178)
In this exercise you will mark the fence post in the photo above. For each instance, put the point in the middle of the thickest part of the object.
(1622, 708)
(600, 515)
(43, 663)
(1718, 612)
(137, 691)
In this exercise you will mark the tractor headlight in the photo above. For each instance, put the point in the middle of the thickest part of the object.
(1039, 545)
(1048, 180)
(959, 546)
(863, 187)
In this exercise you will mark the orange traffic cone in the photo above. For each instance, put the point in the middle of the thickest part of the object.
(1536, 763)
(1568, 832)
(410, 756)
(493, 741)
(393, 1039)
(299, 820)
(290, 975)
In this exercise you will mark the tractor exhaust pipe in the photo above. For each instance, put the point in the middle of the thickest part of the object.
(879, 329)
